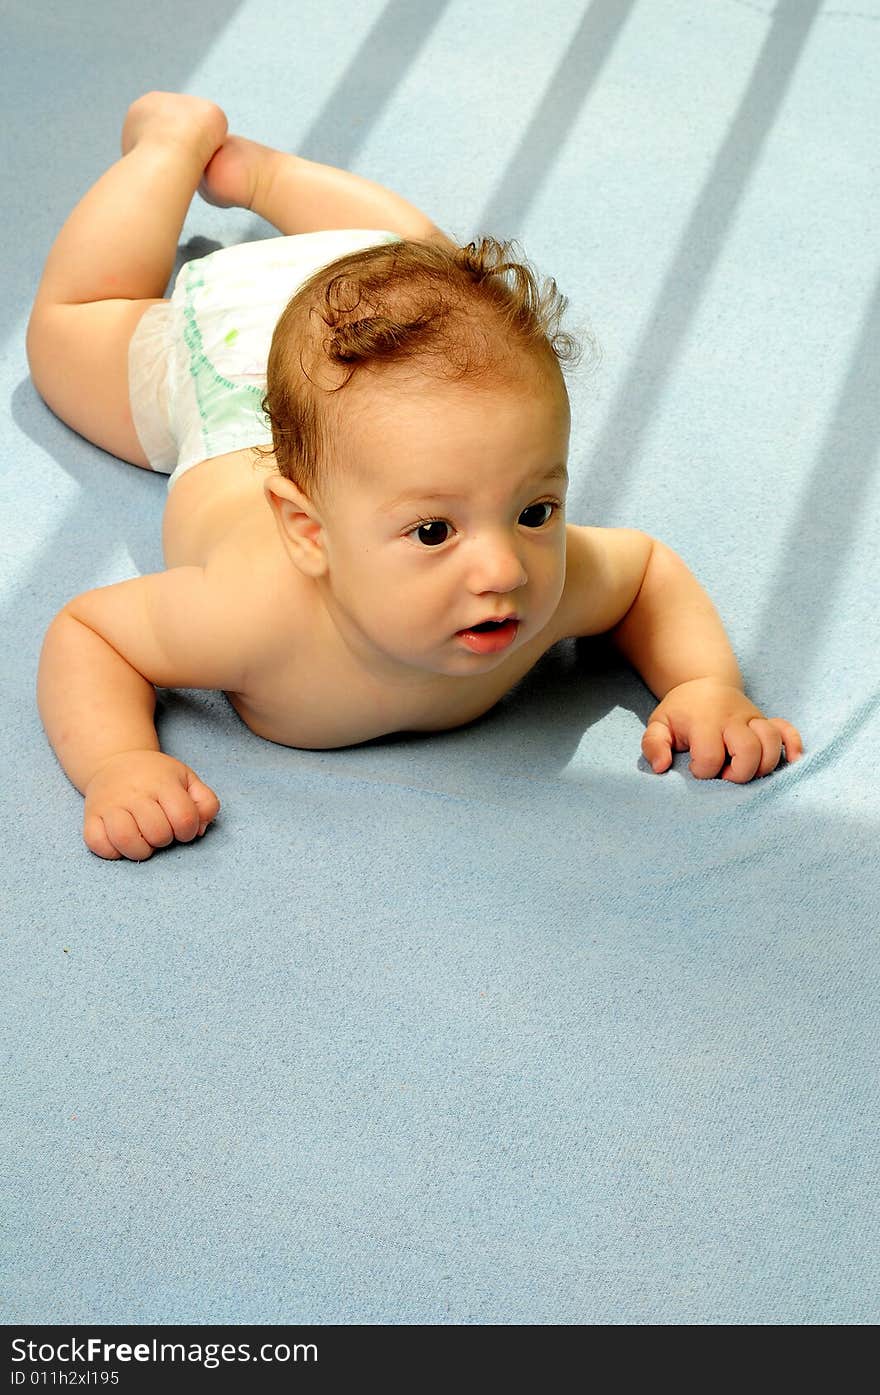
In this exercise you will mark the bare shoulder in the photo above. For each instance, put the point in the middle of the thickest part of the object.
(604, 569)
(190, 626)
(254, 587)
(177, 628)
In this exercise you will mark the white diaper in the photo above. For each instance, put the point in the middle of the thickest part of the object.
(197, 362)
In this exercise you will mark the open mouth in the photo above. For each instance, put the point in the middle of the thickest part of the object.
(490, 636)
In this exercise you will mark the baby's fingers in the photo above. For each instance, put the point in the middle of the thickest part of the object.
(183, 816)
(115, 833)
(205, 800)
(657, 746)
(754, 750)
(791, 737)
(96, 838)
(770, 738)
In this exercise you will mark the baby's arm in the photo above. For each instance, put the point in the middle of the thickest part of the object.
(102, 655)
(657, 614)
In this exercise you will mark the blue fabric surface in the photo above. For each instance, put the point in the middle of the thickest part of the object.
(492, 1026)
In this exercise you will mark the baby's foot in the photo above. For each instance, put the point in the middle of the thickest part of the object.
(174, 116)
(235, 173)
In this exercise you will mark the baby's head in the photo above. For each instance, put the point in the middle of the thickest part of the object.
(399, 374)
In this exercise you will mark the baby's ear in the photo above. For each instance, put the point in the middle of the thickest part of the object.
(298, 523)
(279, 487)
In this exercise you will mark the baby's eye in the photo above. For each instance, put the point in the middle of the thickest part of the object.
(544, 504)
(429, 532)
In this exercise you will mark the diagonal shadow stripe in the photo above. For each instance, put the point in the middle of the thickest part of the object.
(698, 251)
(566, 92)
(369, 82)
(365, 88)
(802, 601)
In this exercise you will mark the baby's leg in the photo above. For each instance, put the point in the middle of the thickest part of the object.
(301, 196)
(111, 262)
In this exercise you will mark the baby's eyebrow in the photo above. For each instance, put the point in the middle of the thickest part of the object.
(429, 498)
(559, 471)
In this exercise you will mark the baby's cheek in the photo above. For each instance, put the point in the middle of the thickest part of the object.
(549, 583)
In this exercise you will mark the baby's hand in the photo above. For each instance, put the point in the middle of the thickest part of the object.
(142, 800)
(710, 719)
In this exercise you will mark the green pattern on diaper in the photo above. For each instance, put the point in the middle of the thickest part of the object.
(228, 411)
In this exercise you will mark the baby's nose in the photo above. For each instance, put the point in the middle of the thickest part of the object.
(498, 567)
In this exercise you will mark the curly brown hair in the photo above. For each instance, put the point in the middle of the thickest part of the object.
(450, 312)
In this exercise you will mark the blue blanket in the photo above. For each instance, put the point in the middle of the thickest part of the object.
(492, 1026)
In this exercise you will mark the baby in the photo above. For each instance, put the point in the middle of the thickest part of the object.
(366, 428)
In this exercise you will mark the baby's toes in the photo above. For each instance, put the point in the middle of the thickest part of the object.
(230, 176)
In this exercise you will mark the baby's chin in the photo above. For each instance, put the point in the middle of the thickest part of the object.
(458, 662)
(449, 658)
(440, 663)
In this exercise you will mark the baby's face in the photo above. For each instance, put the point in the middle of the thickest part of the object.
(409, 570)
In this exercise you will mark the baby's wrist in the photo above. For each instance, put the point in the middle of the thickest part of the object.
(125, 758)
(717, 680)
